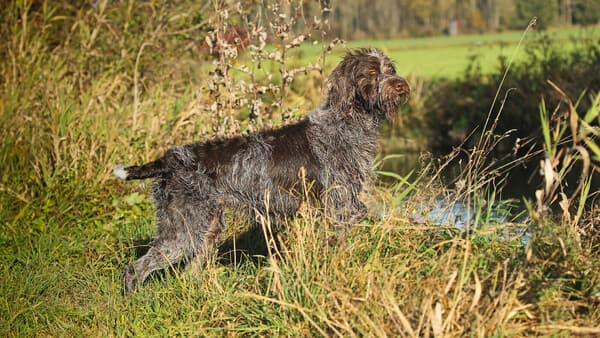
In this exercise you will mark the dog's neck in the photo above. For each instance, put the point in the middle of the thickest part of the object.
(360, 129)
(345, 141)
(356, 120)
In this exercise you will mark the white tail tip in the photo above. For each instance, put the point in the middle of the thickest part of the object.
(120, 171)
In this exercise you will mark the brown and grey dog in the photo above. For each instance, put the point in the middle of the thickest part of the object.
(334, 145)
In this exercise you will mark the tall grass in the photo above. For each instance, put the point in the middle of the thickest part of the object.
(85, 86)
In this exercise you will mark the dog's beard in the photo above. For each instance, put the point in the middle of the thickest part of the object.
(389, 105)
(389, 101)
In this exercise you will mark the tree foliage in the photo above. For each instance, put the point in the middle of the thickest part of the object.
(392, 18)
(546, 12)
(586, 12)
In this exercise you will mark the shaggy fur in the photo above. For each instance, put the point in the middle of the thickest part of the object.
(334, 145)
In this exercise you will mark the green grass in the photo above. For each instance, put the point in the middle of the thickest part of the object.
(68, 228)
(446, 56)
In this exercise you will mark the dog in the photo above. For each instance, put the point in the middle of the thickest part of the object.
(333, 147)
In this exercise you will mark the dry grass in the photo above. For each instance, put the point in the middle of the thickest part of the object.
(85, 87)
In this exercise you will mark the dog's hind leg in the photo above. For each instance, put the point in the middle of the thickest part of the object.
(208, 243)
(183, 233)
(158, 257)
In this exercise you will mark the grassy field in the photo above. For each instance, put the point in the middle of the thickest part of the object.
(84, 88)
(446, 56)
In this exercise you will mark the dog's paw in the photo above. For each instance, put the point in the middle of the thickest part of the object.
(120, 171)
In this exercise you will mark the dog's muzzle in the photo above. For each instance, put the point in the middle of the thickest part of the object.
(395, 89)
(400, 86)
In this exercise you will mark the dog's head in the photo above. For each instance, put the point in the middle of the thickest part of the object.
(366, 82)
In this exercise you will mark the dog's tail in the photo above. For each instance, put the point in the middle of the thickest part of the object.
(140, 172)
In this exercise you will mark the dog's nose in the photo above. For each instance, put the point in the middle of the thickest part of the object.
(402, 86)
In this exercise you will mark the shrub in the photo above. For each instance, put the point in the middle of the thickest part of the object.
(457, 107)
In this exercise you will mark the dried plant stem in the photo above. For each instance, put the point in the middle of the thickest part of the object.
(136, 95)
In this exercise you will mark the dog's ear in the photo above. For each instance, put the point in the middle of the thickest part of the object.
(341, 91)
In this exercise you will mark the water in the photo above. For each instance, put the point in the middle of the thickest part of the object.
(519, 184)
(453, 211)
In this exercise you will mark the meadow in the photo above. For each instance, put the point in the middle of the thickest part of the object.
(448, 56)
(84, 88)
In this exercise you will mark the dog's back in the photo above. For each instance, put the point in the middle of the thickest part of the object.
(274, 155)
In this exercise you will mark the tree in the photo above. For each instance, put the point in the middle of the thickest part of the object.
(545, 11)
(586, 12)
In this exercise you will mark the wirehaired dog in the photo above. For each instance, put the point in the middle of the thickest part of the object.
(334, 146)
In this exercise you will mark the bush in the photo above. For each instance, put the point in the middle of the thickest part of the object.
(457, 107)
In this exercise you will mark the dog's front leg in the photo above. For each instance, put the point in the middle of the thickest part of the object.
(358, 211)
(349, 213)
(345, 216)
(347, 207)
